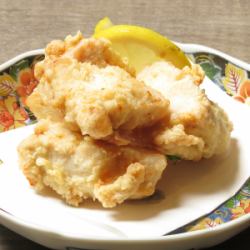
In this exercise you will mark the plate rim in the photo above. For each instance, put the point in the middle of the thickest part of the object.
(172, 237)
(241, 221)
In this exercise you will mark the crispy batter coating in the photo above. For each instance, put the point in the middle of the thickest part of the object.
(197, 127)
(79, 168)
(94, 51)
(78, 85)
(102, 133)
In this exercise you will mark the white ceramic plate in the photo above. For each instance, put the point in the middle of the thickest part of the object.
(15, 215)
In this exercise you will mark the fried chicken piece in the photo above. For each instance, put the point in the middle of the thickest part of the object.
(197, 127)
(99, 99)
(94, 51)
(78, 167)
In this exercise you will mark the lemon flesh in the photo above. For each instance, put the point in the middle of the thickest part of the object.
(140, 46)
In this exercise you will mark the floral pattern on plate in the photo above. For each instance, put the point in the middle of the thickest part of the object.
(17, 83)
(235, 81)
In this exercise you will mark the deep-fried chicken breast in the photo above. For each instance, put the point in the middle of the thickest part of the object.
(78, 167)
(97, 99)
(96, 121)
(94, 51)
(197, 126)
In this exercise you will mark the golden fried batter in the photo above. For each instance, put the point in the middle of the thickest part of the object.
(79, 168)
(96, 121)
(197, 127)
(77, 86)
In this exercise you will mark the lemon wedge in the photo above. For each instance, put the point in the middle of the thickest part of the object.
(140, 46)
(103, 24)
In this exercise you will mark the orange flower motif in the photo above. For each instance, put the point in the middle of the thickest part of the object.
(243, 93)
(11, 115)
(242, 209)
(26, 83)
(6, 119)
